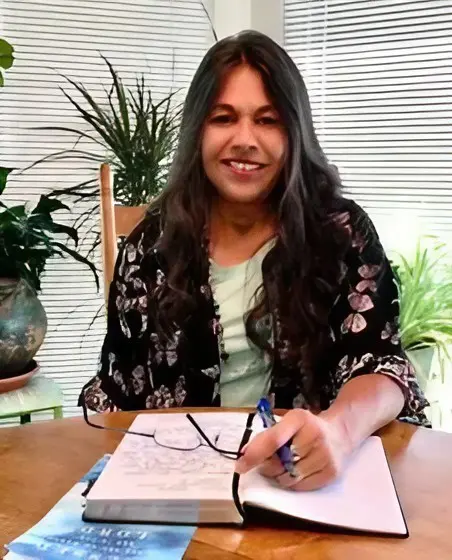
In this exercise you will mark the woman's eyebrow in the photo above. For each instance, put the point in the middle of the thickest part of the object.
(266, 109)
(222, 106)
(228, 107)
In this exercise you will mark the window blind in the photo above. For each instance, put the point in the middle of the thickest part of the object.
(165, 40)
(379, 76)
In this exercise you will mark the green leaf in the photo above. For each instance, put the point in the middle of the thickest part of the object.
(424, 285)
(6, 61)
(123, 123)
(4, 172)
(6, 58)
(6, 52)
(66, 155)
(80, 259)
(27, 241)
(67, 230)
(85, 190)
(43, 222)
(100, 121)
(15, 212)
(47, 205)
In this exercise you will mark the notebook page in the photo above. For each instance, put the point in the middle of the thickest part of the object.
(142, 470)
(364, 497)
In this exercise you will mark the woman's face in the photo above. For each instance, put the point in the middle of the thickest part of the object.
(243, 141)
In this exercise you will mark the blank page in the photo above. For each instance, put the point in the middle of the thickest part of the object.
(363, 499)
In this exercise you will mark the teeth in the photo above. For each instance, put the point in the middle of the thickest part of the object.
(244, 166)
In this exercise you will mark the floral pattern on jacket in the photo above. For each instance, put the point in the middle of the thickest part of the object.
(139, 370)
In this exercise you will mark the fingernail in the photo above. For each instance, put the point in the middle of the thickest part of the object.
(240, 467)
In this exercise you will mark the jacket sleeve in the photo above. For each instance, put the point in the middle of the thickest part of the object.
(365, 319)
(122, 380)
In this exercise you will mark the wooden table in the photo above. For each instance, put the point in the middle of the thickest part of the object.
(40, 462)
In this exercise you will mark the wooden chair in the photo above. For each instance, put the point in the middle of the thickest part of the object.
(115, 221)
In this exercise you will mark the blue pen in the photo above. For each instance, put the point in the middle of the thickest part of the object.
(284, 453)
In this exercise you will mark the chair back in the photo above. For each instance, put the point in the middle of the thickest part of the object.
(115, 221)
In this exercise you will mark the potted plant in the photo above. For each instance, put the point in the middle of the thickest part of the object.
(424, 284)
(137, 136)
(28, 238)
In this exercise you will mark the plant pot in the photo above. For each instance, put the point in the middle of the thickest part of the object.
(436, 386)
(23, 326)
(18, 381)
(127, 217)
(422, 362)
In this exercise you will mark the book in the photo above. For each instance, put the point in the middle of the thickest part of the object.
(173, 477)
(62, 534)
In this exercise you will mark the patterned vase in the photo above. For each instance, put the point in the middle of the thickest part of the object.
(23, 325)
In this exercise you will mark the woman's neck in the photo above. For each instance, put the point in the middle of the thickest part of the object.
(241, 217)
(238, 231)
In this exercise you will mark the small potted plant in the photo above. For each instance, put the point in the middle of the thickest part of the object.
(28, 238)
(132, 132)
(424, 284)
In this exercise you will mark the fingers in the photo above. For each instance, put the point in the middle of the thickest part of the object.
(314, 463)
(272, 467)
(319, 460)
(317, 480)
(265, 444)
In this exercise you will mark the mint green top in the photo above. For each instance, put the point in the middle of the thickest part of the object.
(245, 376)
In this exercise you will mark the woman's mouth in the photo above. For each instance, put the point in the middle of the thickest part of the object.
(243, 168)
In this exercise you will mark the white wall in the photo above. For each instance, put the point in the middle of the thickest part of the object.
(232, 16)
(267, 16)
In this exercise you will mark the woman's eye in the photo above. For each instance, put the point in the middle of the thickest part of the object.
(221, 119)
(267, 120)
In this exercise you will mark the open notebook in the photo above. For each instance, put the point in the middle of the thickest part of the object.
(145, 482)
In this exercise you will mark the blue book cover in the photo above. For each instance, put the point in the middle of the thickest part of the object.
(62, 534)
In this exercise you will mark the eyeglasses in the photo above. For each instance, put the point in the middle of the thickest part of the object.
(202, 439)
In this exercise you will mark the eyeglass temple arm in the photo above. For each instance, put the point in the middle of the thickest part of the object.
(198, 428)
(236, 454)
(99, 427)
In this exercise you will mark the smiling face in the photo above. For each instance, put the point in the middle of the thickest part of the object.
(243, 141)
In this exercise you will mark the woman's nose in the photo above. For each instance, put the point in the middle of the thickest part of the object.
(244, 134)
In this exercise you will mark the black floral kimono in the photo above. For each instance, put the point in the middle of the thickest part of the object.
(139, 371)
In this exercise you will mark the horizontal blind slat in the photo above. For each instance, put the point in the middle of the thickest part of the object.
(379, 77)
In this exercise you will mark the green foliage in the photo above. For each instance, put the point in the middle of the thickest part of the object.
(6, 61)
(424, 285)
(28, 239)
(6, 58)
(137, 137)
(4, 172)
(136, 134)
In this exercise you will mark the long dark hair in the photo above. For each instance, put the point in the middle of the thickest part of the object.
(301, 272)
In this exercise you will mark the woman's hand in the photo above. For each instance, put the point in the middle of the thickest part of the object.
(321, 443)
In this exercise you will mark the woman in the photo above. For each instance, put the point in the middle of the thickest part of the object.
(251, 275)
